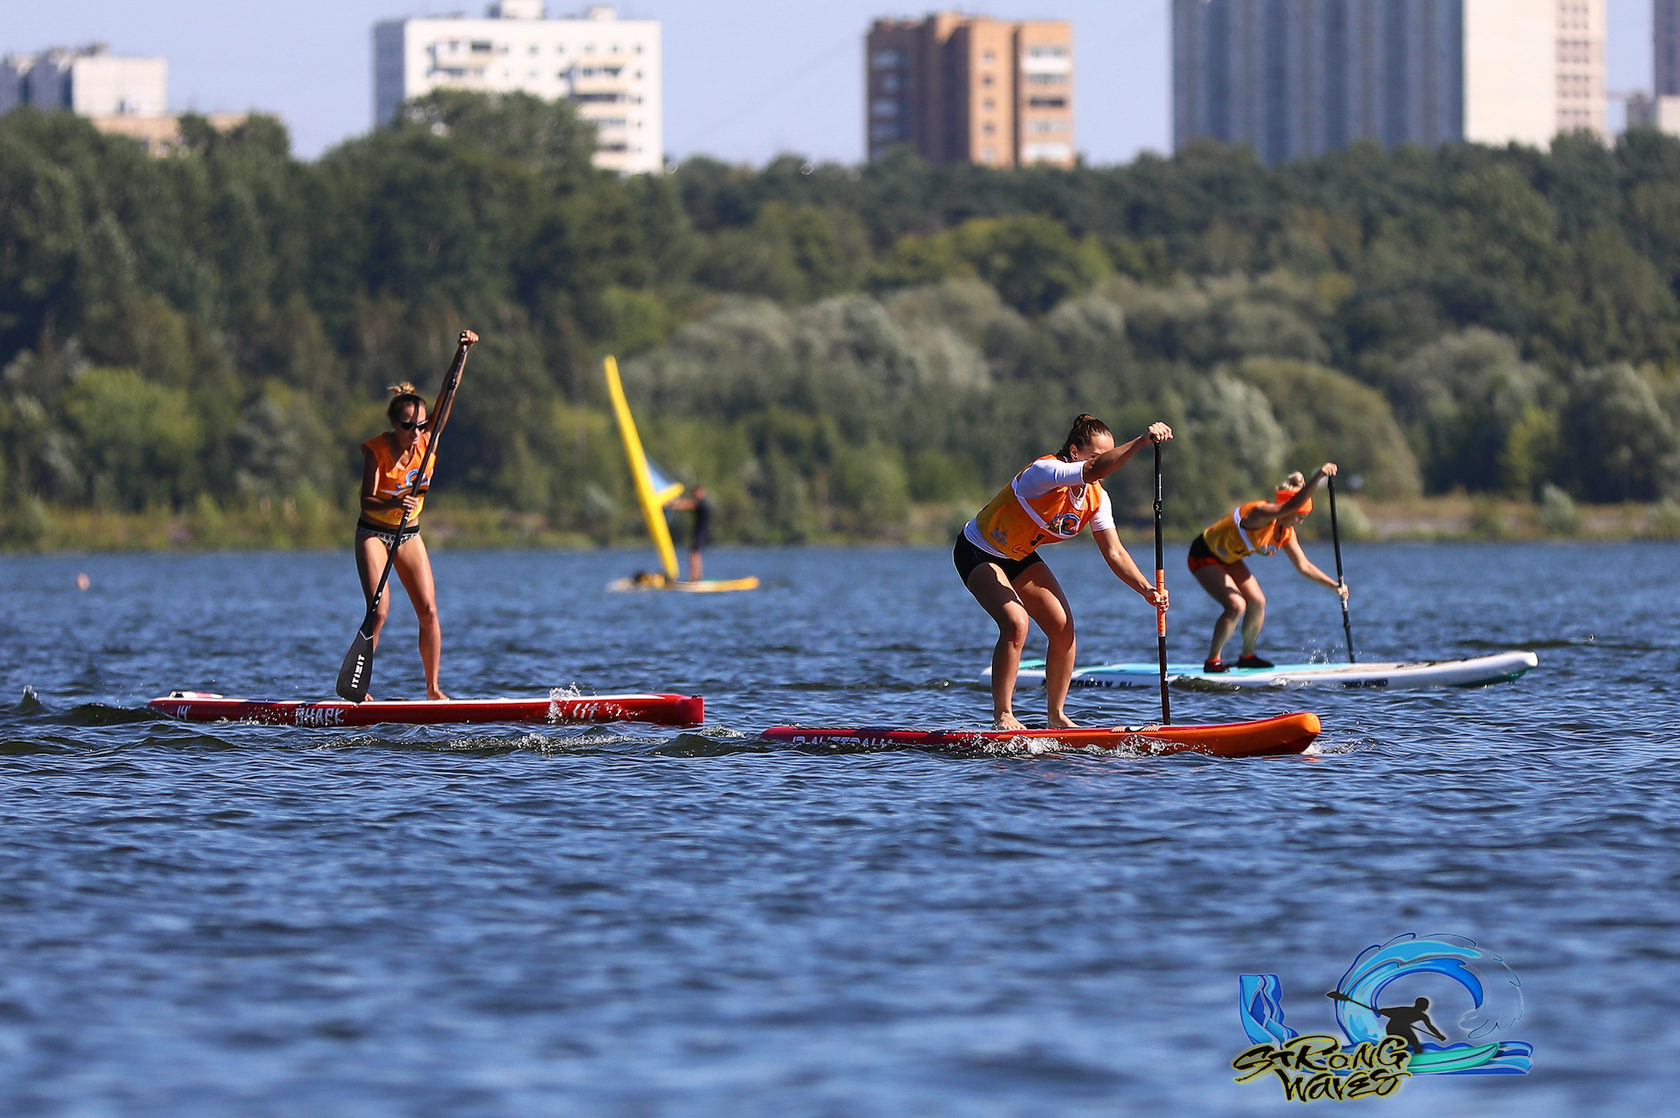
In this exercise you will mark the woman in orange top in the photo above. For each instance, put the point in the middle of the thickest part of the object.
(996, 555)
(391, 464)
(1256, 528)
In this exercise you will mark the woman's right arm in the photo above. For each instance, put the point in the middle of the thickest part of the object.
(1268, 511)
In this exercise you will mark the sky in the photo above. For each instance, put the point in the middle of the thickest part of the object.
(745, 80)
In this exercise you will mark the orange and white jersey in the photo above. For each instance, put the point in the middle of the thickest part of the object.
(1048, 502)
(394, 476)
(1230, 541)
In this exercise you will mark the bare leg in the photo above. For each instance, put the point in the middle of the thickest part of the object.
(695, 565)
(1255, 615)
(414, 567)
(1220, 581)
(999, 599)
(371, 554)
(1042, 597)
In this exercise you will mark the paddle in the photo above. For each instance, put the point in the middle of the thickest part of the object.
(1338, 996)
(357, 670)
(1336, 542)
(1160, 588)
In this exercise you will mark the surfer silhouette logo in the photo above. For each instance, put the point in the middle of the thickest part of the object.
(1381, 1046)
(1403, 1020)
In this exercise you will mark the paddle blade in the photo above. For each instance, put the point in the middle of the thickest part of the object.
(356, 674)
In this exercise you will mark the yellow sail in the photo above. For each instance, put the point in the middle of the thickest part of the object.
(653, 497)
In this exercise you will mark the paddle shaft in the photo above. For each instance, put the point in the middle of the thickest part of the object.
(356, 672)
(1161, 588)
(1336, 542)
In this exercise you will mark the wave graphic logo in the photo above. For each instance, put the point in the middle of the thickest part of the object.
(1387, 1038)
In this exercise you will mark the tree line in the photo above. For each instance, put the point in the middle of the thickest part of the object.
(832, 350)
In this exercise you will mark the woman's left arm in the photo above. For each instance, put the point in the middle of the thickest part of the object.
(1120, 561)
(1309, 569)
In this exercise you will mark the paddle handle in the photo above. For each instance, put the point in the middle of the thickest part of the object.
(1336, 543)
(1161, 588)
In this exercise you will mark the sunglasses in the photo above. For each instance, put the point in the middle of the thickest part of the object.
(413, 424)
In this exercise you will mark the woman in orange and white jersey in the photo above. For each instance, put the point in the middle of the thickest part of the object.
(391, 465)
(996, 555)
(1255, 528)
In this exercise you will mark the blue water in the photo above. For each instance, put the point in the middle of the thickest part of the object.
(625, 920)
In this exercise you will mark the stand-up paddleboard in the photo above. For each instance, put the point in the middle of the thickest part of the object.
(664, 710)
(653, 580)
(653, 493)
(1286, 733)
(1476, 672)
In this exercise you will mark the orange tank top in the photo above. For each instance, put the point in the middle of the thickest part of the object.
(394, 476)
(1014, 525)
(1230, 541)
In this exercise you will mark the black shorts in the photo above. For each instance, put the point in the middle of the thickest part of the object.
(967, 557)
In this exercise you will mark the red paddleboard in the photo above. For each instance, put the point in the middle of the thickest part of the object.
(665, 710)
(1286, 733)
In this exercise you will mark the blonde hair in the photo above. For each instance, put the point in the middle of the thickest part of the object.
(1294, 481)
(402, 394)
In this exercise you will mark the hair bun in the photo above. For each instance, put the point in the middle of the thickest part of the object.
(403, 389)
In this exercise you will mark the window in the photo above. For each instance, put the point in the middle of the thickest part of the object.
(888, 60)
(883, 106)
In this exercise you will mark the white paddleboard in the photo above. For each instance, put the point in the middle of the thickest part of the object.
(1475, 672)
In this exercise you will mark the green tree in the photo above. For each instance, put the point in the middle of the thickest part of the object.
(140, 442)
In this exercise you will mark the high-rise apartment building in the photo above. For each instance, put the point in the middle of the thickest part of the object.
(1297, 78)
(88, 81)
(1581, 97)
(1665, 41)
(1661, 107)
(120, 96)
(608, 68)
(970, 89)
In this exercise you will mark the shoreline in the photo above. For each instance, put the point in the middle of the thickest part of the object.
(284, 526)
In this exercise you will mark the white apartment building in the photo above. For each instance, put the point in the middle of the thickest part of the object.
(88, 81)
(608, 68)
(1298, 78)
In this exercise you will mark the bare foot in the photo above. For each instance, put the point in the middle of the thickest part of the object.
(436, 696)
(1063, 722)
(1007, 721)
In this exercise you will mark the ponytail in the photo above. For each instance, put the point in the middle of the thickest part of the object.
(1085, 428)
(402, 395)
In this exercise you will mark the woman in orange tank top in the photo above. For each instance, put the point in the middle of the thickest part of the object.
(1255, 528)
(996, 556)
(391, 465)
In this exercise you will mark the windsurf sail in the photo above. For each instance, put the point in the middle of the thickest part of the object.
(653, 490)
